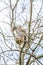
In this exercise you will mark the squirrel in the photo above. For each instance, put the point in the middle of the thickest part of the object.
(20, 34)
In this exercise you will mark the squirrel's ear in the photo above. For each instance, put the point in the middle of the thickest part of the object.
(19, 27)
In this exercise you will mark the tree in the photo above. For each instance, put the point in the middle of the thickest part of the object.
(21, 37)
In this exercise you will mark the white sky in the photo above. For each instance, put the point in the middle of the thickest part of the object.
(4, 17)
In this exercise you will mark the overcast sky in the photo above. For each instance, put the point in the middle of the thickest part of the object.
(4, 17)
